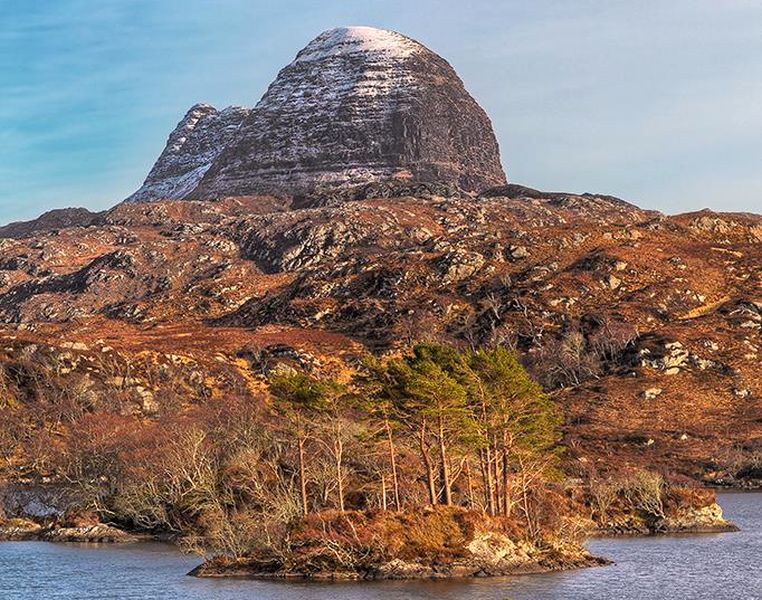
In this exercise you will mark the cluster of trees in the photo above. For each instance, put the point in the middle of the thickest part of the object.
(436, 426)
(483, 431)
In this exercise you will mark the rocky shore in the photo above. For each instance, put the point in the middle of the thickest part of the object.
(687, 519)
(430, 544)
(397, 569)
(26, 530)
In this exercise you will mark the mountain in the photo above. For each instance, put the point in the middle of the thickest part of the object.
(53, 220)
(646, 329)
(357, 105)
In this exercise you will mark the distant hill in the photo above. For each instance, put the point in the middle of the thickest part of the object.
(50, 221)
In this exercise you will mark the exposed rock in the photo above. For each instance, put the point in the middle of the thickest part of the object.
(696, 520)
(25, 530)
(670, 357)
(613, 283)
(518, 252)
(50, 221)
(459, 265)
(652, 393)
(100, 533)
(19, 530)
(357, 105)
(191, 149)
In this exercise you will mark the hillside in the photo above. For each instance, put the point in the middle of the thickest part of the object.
(644, 327)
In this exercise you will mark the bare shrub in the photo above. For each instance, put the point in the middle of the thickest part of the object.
(644, 491)
(603, 497)
(585, 351)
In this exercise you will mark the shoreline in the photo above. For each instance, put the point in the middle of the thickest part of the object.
(395, 570)
(483, 549)
(728, 527)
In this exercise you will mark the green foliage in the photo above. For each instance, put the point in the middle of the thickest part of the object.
(429, 391)
(298, 392)
(486, 391)
(514, 403)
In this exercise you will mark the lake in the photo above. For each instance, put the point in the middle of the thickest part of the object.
(707, 566)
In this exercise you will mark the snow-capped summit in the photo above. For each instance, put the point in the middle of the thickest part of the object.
(356, 105)
(347, 40)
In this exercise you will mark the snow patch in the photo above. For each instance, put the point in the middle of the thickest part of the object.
(358, 39)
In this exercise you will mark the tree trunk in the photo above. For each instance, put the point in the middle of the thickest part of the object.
(393, 462)
(470, 484)
(383, 492)
(527, 511)
(339, 453)
(446, 484)
(490, 482)
(429, 466)
(302, 477)
(506, 486)
(496, 459)
(485, 480)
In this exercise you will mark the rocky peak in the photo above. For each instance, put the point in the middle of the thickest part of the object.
(369, 41)
(191, 148)
(357, 105)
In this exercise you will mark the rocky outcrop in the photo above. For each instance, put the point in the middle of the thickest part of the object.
(191, 149)
(54, 220)
(638, 510)
(100, 533)
(25, 530)
(689, 519)
(358, 105)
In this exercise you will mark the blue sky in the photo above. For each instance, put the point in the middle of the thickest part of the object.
(658, 102)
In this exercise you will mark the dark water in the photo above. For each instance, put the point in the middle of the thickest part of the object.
(710, 566)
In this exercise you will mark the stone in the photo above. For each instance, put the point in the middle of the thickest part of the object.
(519, 252)
(459, 265)
(652, 393)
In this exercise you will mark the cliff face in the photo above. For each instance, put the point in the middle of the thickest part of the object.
(357, 105)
